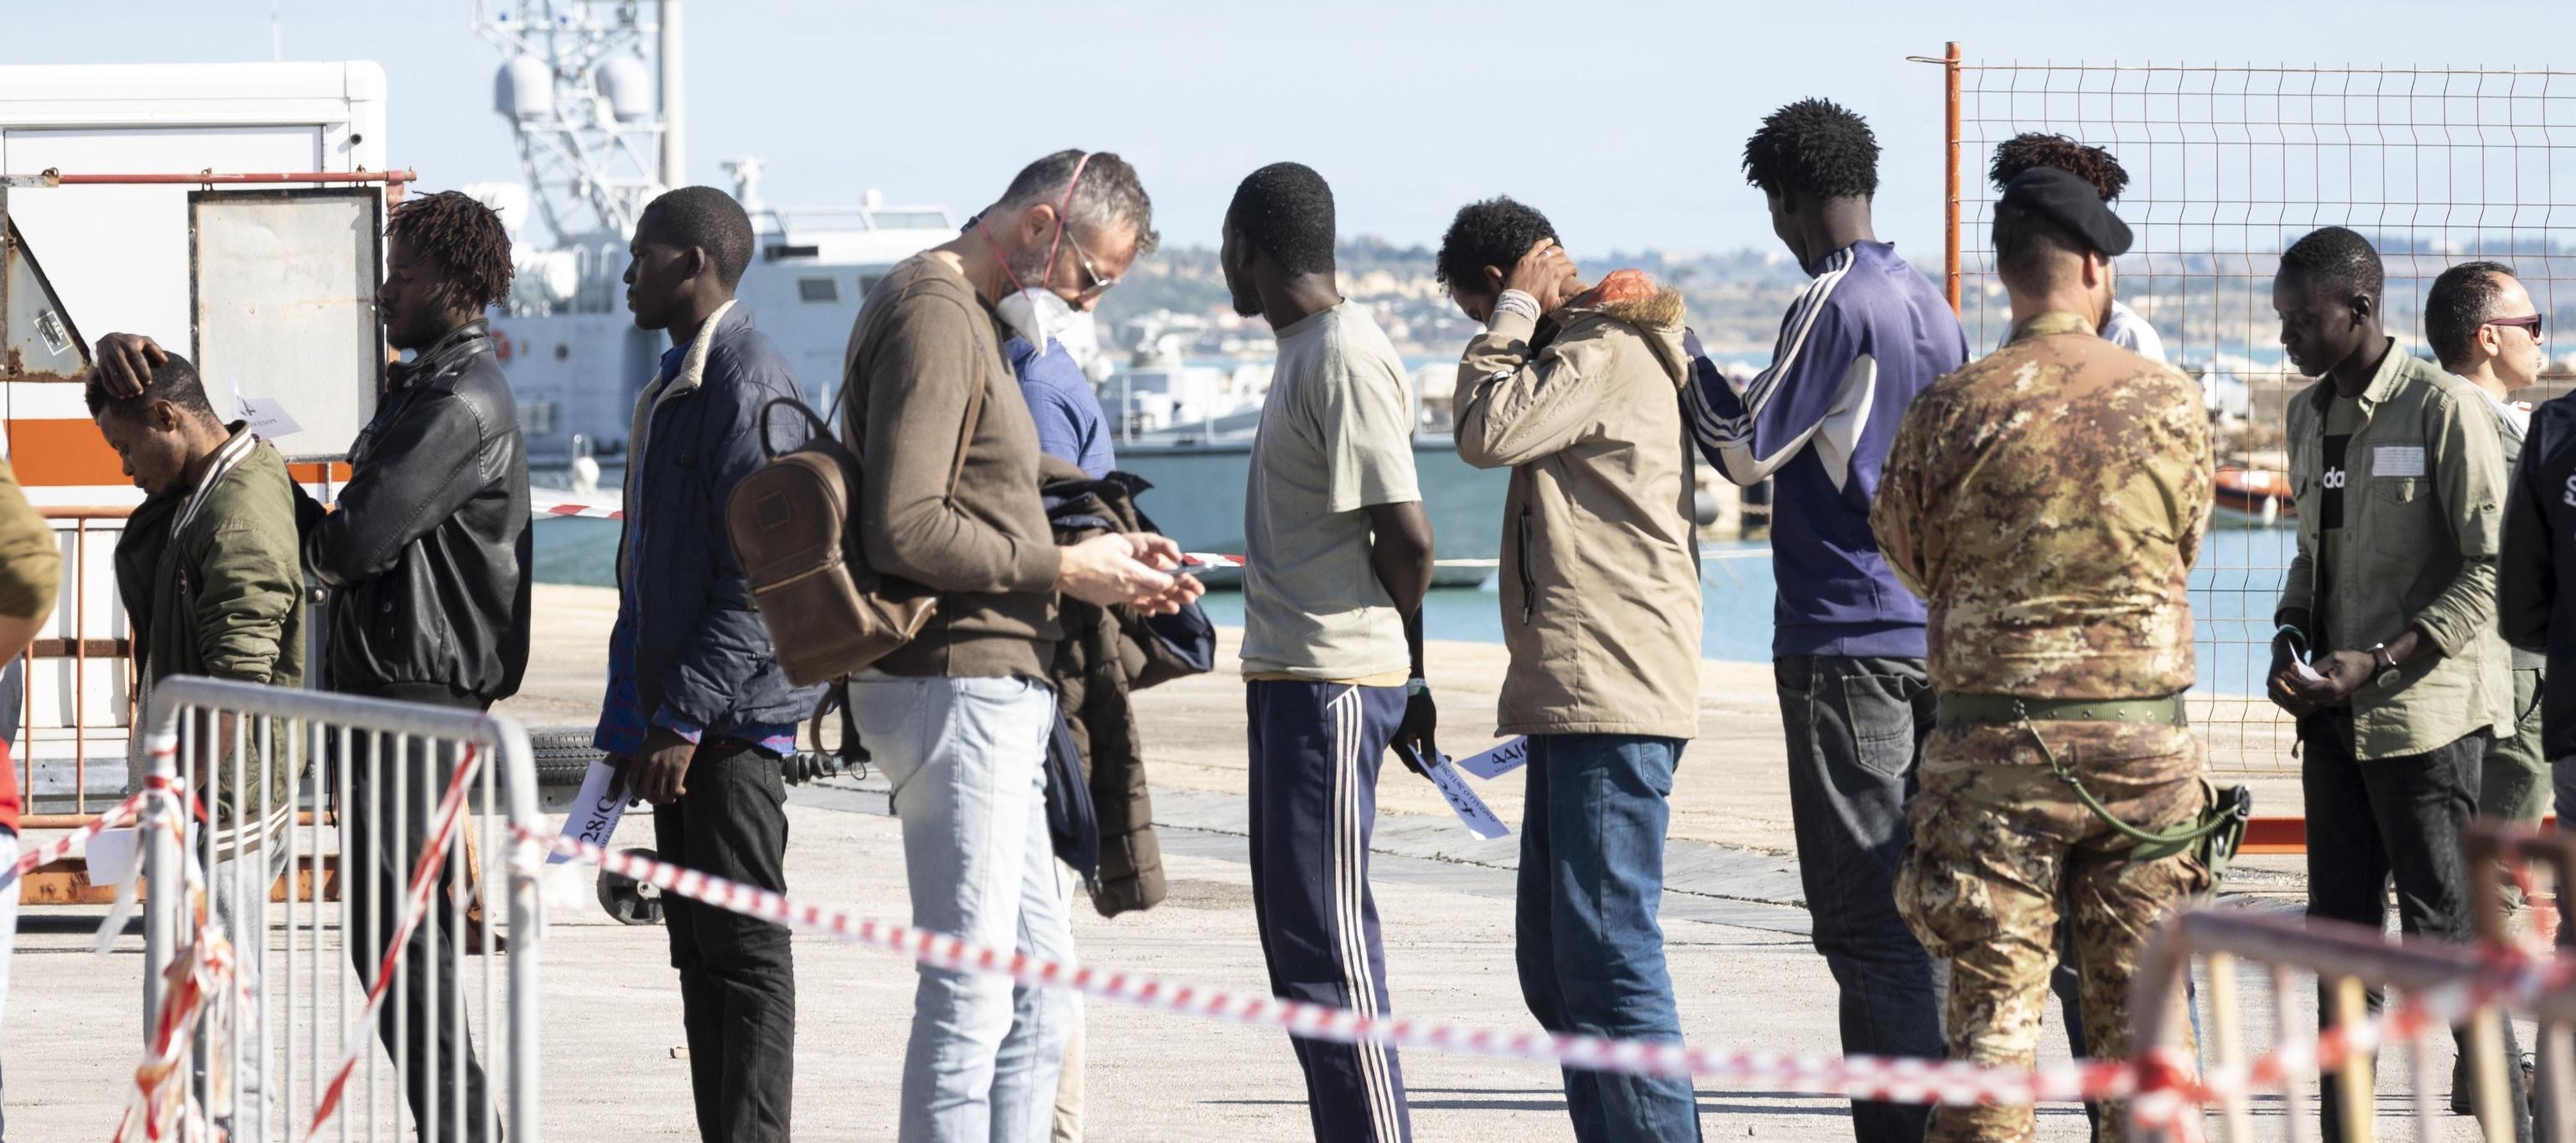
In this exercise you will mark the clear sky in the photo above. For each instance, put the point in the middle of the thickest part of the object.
(1624, 121)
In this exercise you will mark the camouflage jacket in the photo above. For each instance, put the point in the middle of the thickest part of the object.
(2047, 501)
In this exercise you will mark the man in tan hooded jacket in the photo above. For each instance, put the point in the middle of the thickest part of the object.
(1575, 388)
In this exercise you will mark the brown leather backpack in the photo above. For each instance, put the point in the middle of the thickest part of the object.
(795, 529)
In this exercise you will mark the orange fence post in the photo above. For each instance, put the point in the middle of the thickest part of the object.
(1950, 222)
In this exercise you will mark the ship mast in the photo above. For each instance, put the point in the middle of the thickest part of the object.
(599, 128)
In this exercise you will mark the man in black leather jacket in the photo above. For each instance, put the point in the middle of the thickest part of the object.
(426, 555)
(426, 561)
(426, 558)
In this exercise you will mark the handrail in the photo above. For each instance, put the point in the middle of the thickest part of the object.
(54, 177)
(78, 647)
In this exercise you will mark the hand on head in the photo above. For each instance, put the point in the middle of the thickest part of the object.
(125, 363)
(1546, 274)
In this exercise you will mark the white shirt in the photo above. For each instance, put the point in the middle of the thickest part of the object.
(2131, 332)
(2513, 417)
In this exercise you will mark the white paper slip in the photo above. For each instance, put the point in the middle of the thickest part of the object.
(2300, 670)
(2397, 460)
(113, 856)
(595, 810)
(268, 417)
(1462, 799)
(1495, 763)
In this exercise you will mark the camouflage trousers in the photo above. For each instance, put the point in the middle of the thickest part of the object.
(1998, 844)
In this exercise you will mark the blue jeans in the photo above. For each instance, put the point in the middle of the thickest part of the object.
(1591, 952)
(965, 759)
(1855, 729)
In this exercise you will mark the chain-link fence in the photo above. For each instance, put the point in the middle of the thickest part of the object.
(2227, 166)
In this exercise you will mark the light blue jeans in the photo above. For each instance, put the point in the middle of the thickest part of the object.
(966, 758)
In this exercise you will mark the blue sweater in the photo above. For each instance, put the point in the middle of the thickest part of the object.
(1861, 340)
(1071, 424)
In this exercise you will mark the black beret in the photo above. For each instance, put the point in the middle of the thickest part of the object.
(2063, 197)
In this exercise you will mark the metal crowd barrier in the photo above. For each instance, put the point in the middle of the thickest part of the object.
(289, 881)
(2262, 1054)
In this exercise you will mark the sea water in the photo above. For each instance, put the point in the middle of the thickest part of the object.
(2234, 588)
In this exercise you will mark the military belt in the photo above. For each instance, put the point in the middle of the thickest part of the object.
(2008, 710)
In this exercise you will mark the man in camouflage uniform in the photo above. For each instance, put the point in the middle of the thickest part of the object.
(2048, 501)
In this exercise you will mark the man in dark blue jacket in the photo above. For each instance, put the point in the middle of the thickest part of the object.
(698, 711)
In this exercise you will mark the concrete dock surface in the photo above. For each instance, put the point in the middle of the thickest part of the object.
(1735, 937)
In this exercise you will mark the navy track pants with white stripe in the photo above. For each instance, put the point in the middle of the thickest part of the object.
(1315, 754)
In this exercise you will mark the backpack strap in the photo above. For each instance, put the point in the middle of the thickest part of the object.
(852, 758)
(811, 418)
(965, 432)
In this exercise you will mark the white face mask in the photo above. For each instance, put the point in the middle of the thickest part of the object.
(1080, 338)
(1035, 312)
(1037, 315)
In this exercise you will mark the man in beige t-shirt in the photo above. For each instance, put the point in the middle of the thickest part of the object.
(1338, 554)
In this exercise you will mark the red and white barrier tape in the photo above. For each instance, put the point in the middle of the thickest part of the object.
(61, 847)
(1856, 1077)
(541, 504)
(163, 1095)
(2162, 1080)
(199, 969)
(2520, 974)
(424, 877)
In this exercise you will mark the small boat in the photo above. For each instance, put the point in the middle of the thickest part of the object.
(2254, 498)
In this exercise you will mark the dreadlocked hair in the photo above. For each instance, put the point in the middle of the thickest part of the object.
(2033, 150)
(464, 239)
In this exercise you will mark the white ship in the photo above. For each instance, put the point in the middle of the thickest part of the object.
(592, 92)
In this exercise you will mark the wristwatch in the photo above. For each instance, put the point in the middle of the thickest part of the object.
(2387, 676)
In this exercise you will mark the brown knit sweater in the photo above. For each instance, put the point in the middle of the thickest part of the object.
(923, 336)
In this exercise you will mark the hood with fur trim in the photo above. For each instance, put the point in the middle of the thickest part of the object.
(1635, 298)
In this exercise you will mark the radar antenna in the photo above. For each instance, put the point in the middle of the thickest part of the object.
(599, 129)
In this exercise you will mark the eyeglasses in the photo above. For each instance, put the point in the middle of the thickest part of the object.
(2530, 320)
(1098, 285)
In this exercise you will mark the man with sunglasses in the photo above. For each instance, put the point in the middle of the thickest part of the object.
(1071, 424)
(1071, 427)
(2482, 325)
(958, 718)
(2387, 649)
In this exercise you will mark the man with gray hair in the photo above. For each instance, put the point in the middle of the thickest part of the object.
(959, 717)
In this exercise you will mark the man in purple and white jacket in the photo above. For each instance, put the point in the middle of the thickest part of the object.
(1847, 650)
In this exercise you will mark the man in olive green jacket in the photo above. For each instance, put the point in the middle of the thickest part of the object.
(2387, 648)
(208, 566)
